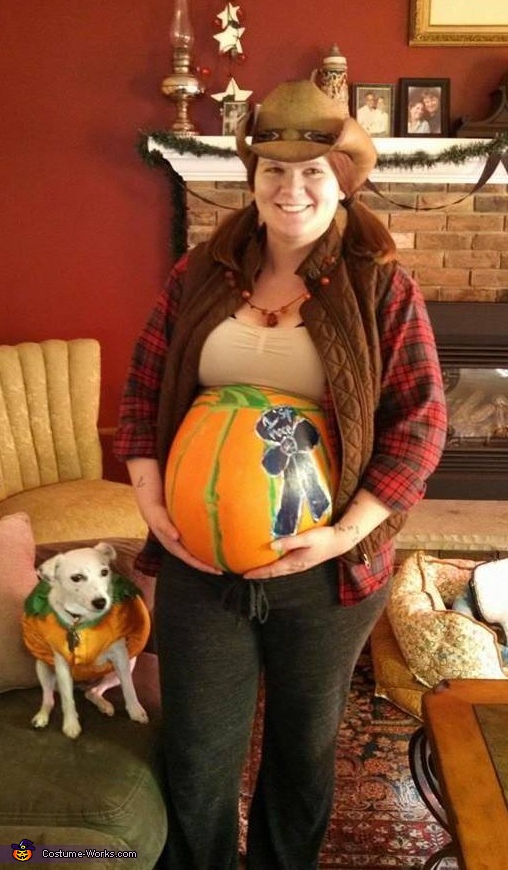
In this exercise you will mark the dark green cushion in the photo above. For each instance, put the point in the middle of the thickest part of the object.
(103, 789)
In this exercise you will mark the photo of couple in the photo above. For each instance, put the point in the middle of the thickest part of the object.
(424, 107)
(424, 112)
(373, 109)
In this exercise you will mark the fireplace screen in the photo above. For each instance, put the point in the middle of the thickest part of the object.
(472, 342)
(477, 401)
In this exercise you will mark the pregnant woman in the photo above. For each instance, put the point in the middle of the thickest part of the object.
(299, 295)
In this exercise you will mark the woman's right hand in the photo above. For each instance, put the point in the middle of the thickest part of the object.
(160, 525)
(148, 489)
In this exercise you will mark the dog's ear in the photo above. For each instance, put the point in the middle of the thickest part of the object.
(47, 570)
(106, 550)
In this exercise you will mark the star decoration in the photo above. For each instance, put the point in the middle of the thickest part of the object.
(232, 92)
(229, 39)
(228, 14)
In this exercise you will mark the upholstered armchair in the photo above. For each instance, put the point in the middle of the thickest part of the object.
(50, 450)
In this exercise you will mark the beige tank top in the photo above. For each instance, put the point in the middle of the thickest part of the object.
(283, 358)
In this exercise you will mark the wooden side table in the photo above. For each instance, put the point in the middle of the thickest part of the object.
(459, 761)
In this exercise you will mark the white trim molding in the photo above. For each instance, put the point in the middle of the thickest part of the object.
(215, 168)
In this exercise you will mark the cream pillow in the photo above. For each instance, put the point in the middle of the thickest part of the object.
(437, 643)
(17, 579)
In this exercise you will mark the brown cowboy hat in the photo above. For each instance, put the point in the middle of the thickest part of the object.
(298, 122)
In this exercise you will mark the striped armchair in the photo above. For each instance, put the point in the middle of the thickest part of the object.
(50, 450)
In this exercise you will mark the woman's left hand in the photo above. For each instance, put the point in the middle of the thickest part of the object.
(300, 552)
(303, 551)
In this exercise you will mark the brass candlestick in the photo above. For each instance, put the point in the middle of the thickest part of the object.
(182, 86)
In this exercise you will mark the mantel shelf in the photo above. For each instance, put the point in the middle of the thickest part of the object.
(216, 168)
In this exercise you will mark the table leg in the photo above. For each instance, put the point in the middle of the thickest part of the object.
(434, 862)
(424, 776)
(425, 780)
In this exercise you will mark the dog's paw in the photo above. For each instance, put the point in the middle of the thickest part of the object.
(101, 703)
(41, 719)
(137, 713)
(71, 728)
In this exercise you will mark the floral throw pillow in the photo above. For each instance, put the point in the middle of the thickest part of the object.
(439, 643)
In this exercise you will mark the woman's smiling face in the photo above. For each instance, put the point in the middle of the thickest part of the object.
(296, 201)
(416, 111)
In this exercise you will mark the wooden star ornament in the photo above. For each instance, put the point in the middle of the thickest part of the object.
(232, 92)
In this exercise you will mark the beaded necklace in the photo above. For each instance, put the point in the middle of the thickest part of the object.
(270, 314)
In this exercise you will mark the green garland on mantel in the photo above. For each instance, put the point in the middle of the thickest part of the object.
(456, 154)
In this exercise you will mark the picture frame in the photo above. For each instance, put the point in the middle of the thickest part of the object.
(424, 107)
(441, 22)
(232, 111)
(373, 107)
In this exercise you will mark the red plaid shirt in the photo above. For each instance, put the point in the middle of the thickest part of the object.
(410, 420)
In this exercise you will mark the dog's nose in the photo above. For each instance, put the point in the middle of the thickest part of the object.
(99, 603)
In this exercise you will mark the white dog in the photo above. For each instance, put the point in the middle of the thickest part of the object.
(84, 623)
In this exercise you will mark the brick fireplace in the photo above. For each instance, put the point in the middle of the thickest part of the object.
(459, 255)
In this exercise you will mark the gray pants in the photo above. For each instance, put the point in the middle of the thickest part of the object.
(215, 636)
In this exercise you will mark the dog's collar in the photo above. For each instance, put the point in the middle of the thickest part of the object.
(78, 622)
(74, 616)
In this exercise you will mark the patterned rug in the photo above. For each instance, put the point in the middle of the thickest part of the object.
(379, 820)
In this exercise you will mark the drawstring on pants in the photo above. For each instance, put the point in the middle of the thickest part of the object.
(247, 598)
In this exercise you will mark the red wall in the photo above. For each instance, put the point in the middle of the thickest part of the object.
(84, 224)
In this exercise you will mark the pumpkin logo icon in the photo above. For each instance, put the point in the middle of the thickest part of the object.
(23, 850)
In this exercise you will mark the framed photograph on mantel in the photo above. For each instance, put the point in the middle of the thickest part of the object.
(458, 22)
(424, 107)
(373, 107)
(232, 111)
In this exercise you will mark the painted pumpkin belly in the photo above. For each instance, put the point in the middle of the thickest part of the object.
(248, 465)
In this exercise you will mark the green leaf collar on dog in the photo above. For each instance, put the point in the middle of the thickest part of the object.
(124, 588)
(37, 604)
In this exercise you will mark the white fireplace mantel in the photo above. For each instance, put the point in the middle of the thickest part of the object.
(216, 168)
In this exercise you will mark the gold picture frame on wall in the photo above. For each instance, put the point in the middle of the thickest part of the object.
(461, 22)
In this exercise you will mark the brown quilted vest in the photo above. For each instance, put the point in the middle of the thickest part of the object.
(341, 319)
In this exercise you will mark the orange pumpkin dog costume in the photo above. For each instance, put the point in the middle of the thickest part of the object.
(44, 633)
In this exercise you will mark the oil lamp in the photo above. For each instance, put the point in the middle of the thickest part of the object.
(182, 85)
